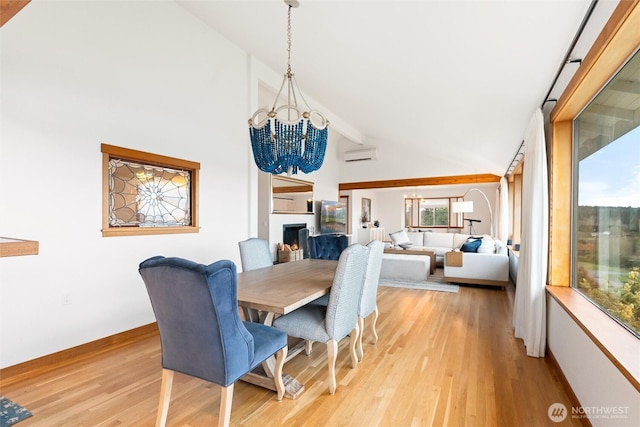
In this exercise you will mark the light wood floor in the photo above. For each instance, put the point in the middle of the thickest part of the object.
(443, 359)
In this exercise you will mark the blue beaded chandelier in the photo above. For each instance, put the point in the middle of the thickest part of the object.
(288, 138)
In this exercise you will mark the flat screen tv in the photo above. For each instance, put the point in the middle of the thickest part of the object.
(333, 217)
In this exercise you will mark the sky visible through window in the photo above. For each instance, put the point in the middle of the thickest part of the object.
(611, 175)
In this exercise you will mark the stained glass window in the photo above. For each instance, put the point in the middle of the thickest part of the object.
(147, 196)
(145, 193)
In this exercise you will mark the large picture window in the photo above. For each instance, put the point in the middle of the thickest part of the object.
(606, 199)
(146, 193)
(429, 213)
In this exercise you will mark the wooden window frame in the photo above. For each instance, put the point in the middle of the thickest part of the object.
(415, 213)
(112, 152)
(616, 43)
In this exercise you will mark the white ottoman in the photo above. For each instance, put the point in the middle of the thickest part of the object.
(407, 268)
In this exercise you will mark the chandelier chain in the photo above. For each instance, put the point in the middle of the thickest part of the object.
(288, 139)
(289, 41)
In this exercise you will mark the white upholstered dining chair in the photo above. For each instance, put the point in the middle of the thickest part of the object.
(368, 299)
(339, 318)
(254, 254)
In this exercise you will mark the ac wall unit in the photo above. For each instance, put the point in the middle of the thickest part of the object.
(361, 155)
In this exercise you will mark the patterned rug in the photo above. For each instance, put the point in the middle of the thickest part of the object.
(11, 413)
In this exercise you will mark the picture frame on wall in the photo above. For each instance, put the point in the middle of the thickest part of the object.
(365, 213)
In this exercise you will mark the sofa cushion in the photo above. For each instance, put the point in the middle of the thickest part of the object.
(459, 239)
(398, 237)
(501, 248)
(438, 240)
(488, 246)
(471, 245)
(415, 237)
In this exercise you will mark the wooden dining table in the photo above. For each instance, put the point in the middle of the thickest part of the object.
(278, 290)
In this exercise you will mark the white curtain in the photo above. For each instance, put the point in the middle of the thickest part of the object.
(503, 221)
(529, 312)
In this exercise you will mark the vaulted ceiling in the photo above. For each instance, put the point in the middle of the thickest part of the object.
(439, 87)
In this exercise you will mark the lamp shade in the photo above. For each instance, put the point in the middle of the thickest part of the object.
(462, 207)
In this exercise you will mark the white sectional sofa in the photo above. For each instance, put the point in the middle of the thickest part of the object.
(488, 265)
(440, 243)
(478, 268)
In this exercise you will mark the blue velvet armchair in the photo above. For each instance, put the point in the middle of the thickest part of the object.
(201, 332)
(327, 246)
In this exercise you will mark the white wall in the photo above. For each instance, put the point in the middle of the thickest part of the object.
(387, 205)
(389, 208)
(142, 75)
(596, 382)
(75, 75)
(400, 161)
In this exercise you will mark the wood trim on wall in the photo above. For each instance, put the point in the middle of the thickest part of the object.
(560, 204)
(9, 8)
(619, 39)
(620, 346)
(293, 189)
(10, 246)
(516, 234)
(48, 363)
(420, 182)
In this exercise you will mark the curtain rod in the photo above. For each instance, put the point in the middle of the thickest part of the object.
(515, 162)
(567, 60)
(567, 56)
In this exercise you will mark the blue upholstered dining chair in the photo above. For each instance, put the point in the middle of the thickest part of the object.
(327, 246)
(339, 318)
(201, 333)
(254, 254)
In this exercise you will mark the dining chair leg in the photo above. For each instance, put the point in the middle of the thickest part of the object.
(226, 400)
(332, 355)
(281, 355)
(361, 325)
(353, 344)
(374, 319)
(250, 315)
(165, 397)
(308, 346)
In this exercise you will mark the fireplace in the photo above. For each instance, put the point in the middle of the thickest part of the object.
(296, 234)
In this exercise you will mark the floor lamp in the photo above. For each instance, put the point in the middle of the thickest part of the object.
(467, 207)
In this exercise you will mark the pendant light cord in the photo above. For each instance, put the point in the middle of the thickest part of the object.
(289, 41)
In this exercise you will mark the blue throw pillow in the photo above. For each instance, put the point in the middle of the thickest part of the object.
(471, 245)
